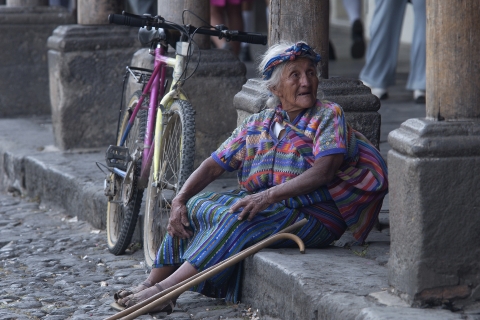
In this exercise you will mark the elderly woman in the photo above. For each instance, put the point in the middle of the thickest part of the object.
(299, 159)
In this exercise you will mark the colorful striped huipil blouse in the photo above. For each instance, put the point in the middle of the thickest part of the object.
(359, 185)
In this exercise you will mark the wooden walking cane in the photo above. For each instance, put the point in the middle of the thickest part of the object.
(174, 291)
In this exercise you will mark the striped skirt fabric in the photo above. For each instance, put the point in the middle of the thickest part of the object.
(219, 235)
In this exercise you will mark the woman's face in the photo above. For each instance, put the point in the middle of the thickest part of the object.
(298, 85)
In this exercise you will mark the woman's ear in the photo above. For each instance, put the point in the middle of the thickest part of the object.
(274, 90)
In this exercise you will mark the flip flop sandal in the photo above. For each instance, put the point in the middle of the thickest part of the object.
(166, 307)
(116, 306)
(127, 292)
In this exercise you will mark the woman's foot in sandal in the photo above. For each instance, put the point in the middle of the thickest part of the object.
(127, 292)
(143, 295)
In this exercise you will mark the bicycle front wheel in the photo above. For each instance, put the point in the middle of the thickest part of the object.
(177, 153)
(124, 206)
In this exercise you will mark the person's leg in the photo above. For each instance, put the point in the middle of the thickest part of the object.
(217, 17)
(418, 54)
(354, 11)
(248, 22)
(382, 52)
(235, 22)
(141, 6)
(155, 276)
(185, 271)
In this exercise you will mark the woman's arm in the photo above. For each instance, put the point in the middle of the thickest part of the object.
(207, 172)
(321, 173)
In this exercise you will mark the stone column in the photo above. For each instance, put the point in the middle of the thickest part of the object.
(94, 12)
(202, 9)
(172, 11)
(301, 20)
(434, 170)
(25, 27)
(86, 68)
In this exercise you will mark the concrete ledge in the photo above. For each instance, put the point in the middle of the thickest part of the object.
(331, 283)
(37, 169)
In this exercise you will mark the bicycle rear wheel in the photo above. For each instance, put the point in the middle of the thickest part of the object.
(124, 206)
(176, 164)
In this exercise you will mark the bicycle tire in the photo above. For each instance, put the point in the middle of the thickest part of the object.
(176, 164)
(122, 218)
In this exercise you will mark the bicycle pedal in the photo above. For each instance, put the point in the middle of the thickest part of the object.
(117, 157)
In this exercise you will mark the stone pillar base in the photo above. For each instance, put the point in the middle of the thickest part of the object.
(434, 173)
(359, 104)
(219, 76)
(86, 68)
(23, 66)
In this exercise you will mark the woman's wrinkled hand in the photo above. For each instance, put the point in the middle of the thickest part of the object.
(251, 204)
(178, 225)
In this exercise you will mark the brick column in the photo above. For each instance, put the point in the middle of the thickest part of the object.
(434, 170)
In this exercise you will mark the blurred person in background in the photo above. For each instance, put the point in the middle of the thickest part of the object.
(381, 60)
(141, 6)
(248, 15)
(229, 13)
(354, 12)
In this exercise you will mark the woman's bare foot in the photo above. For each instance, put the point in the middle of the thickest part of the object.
(127, 292)
(155, 276)
(144, 295)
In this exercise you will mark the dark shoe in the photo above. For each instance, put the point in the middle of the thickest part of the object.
(419, 96)
(358, 46)
(245, 54)
(380, 93)
(331, 52)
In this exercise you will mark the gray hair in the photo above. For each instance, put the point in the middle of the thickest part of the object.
(275, 50)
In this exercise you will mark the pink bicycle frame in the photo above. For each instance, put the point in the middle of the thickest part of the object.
(156, 87)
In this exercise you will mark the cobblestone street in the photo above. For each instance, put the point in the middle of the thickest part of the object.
(56, 267)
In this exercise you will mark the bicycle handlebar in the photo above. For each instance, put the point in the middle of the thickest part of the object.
(132, 20)
(127, 20)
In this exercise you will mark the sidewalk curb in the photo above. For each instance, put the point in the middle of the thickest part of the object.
(50, 176)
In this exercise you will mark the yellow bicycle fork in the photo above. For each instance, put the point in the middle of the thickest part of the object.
(164, 106)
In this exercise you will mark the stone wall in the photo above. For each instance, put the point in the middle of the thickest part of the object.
(24, 68)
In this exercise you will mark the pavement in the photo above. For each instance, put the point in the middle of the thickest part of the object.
(55, 265)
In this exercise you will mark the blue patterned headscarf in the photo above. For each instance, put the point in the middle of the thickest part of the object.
(298, 50)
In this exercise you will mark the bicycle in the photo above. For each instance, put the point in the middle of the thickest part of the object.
(155, 139)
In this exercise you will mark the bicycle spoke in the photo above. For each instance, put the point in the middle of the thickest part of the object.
(124, 206)
(173, 171)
